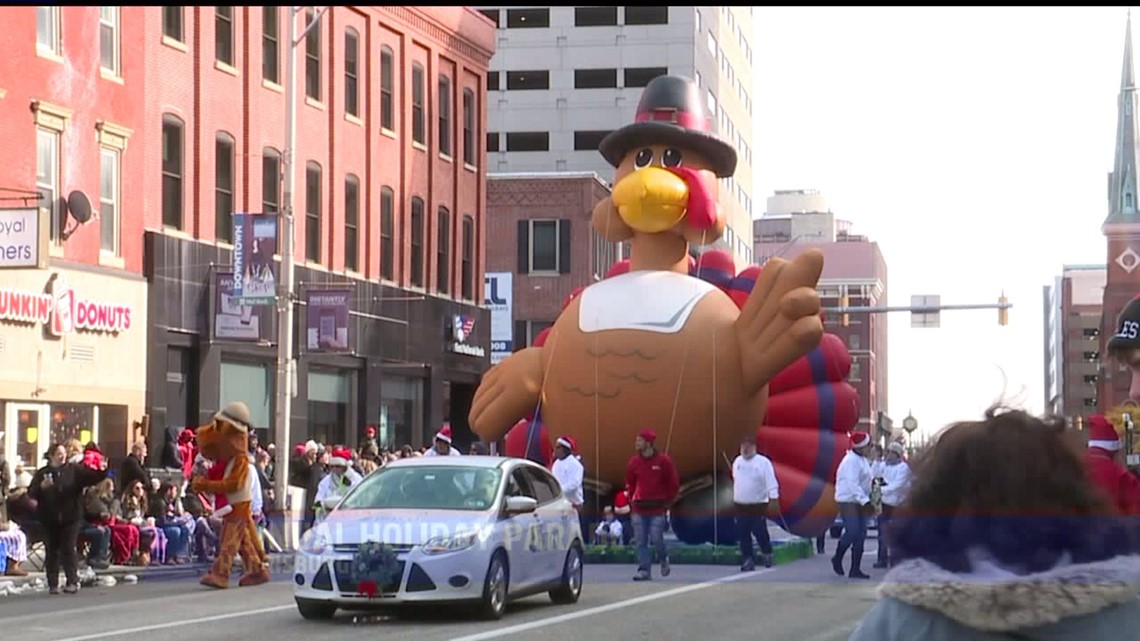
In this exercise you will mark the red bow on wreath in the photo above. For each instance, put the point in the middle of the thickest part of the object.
(368, 589)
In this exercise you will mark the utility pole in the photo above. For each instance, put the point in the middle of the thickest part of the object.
(285, 296)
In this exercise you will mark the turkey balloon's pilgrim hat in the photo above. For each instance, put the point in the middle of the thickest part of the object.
(671, 112)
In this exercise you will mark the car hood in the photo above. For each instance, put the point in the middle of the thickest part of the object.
(400, 527)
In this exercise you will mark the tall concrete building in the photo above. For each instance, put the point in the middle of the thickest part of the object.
(1072, 313)
(564, 77)
(853, 266)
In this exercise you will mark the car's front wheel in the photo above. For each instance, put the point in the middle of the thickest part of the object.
(315, 610)
(495, 588)
(570, 587)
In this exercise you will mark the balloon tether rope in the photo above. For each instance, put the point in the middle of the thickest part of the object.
(685, 356)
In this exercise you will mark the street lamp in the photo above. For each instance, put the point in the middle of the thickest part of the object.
(285, 301)
(909, 423)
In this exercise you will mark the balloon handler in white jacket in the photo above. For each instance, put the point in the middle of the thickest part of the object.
(340, 479)
(567, 468)
(853, 494)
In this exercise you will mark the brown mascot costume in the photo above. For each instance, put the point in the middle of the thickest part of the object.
(225, 441)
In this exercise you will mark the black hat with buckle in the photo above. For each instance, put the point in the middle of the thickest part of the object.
(671, 112)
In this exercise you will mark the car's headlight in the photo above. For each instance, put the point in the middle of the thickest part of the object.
(443, 544)
(314, 541)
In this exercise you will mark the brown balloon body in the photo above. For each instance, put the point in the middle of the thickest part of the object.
(602, 388)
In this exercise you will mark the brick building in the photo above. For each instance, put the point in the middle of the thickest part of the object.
(73, 300)
(388, 196)
(853, 266)
(548, 243)
(1072, 313)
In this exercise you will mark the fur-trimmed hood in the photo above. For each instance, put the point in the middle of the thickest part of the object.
(994, 599)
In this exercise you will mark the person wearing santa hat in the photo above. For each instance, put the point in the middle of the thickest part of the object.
(442, 445)
(653, 484)
(340, 479)
(1105, 470)
(369, 449)
(895, 474)
(853, 494)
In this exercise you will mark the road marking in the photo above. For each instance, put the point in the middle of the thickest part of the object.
(177, 624)
(570, 616)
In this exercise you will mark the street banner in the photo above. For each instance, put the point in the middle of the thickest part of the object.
(498, 298)
(233, 320)
(255, 273)
(326, 322)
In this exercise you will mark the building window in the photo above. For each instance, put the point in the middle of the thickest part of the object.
(109, 39)
(417, 279)
(528, 18)
(528, 80)
(172, 163)
(544, 246)
(253, 384)
(109, 201)
(443, 251)
(444, 115)
(856, 371)
(595, 16)
(657, 14)
(712, 45)
(351, 73)
(47, 29)
(492, 15)
(698, 20)
(313, 212)
(419, 134)
(1090, 402)
(224, 35)
(468, 269)
(1092, 357)
(172, 23)
(224, 187)
(270, 50)
(531, 330)
(595, 78)
(640, 76)
(468, 127)
(492, 81)
(313, 57)
(332, 405)
(270, 180)
(1091, 379)
(1090, 332)
(528, 141)
(387, 234)
(493, 141)
(588, 140)
(853, 341)
(352, 223)
(387, 115)
(47, 178)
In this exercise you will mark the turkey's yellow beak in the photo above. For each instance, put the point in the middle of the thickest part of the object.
(651, 200)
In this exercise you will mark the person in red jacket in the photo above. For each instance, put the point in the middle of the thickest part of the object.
(1105, 470)
(651, 479)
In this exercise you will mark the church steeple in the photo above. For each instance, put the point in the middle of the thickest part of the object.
(1122, 182)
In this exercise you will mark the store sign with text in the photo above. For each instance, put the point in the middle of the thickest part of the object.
(20, 237)
(461, 328)
(63, 311)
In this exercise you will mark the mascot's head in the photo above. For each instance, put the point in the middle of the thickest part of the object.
(228, 434)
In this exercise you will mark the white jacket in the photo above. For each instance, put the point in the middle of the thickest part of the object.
(853, 480)
(569, 472)
(434, 452)
(754, 481)
(329, 488)
(897, 479)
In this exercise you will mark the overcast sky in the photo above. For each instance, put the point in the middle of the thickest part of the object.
(973, 145)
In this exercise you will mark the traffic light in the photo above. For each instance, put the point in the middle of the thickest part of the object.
(1003, 310)
(845, 302)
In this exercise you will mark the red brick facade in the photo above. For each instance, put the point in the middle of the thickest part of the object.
(1121, 286)
(513, 200)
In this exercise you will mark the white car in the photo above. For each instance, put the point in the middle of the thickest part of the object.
(477, 529)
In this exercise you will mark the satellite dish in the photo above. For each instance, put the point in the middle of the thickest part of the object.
(79, 206)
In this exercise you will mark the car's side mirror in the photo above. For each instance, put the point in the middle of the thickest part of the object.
(521, 504)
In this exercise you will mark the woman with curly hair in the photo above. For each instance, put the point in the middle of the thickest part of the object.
(1003, 536)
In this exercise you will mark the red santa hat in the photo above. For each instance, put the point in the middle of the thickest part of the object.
(648, 435)
(566, 442)
(860, 439)
(340, 458)
(444, 434)
(370, 430)
(1102, 434)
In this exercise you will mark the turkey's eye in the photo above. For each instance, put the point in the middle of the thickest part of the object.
(671, 158)
(643, 158)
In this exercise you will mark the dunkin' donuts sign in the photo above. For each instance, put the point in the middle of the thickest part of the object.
(62, 311)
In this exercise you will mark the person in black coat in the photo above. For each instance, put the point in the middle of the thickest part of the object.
(58, 490)
(133, 468)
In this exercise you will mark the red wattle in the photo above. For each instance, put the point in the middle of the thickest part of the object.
(701, 212)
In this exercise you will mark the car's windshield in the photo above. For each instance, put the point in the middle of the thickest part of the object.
(444, 487)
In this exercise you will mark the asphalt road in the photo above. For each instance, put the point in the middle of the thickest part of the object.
(801, 601)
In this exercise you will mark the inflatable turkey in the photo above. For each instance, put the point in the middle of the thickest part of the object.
(811, 408)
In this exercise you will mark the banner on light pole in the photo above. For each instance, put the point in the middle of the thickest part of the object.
(255, 273)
